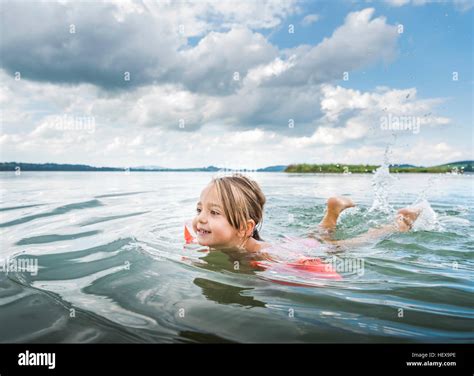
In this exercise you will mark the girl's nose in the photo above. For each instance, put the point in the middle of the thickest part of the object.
(202, 216)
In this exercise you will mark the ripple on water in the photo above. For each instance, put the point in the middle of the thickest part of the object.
(119, 264)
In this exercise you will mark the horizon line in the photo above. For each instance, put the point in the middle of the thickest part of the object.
(144, 167)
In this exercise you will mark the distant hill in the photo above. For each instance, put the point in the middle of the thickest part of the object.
(12, 166)
(467, 165)
(278, 168)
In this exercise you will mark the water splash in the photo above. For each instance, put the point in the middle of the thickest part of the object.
(430, 186)
(381, 183)
(428, 219)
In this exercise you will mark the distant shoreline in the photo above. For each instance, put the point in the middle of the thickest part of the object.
(338, 168)
(15, 166)
(456, 167)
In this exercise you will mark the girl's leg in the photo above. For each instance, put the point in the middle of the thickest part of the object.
(403, 223)
(335, 206)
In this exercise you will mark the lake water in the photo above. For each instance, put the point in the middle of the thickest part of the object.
(112, 266)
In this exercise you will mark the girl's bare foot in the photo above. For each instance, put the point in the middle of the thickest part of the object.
(335, 206)
(406, 217)
(338, 203)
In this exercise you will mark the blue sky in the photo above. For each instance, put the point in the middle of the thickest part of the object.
(438, 39)
(182, 105)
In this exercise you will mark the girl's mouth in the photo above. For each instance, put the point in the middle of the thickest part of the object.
(203, 232)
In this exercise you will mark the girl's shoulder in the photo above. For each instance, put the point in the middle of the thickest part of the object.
(262, 245)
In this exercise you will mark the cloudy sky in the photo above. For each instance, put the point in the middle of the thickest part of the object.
(237, 84)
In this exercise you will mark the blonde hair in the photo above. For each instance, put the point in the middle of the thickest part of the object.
(242, 199)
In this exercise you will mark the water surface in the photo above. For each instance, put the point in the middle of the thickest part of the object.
(109, 248)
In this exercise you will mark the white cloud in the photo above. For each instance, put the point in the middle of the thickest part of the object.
(264, 72)
(460, 5)
(102, 50)
(228, 122)
(211, 65)
(144, 124)
(338, 100)
(350, 115)
(430, 153)
(147, 39)
(310, 19)
(361, 41)
(199, 17)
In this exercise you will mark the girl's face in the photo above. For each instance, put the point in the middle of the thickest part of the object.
(210, 223)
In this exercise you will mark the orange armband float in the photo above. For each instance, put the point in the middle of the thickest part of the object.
(301, 267)
(189, 234)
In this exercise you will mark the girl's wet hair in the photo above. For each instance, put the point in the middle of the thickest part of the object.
(242, 199)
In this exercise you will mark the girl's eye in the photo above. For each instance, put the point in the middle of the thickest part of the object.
(213, 212)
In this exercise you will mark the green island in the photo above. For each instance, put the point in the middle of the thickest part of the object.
(455, 167)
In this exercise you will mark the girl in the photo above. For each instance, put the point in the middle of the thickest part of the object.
(231, 207)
